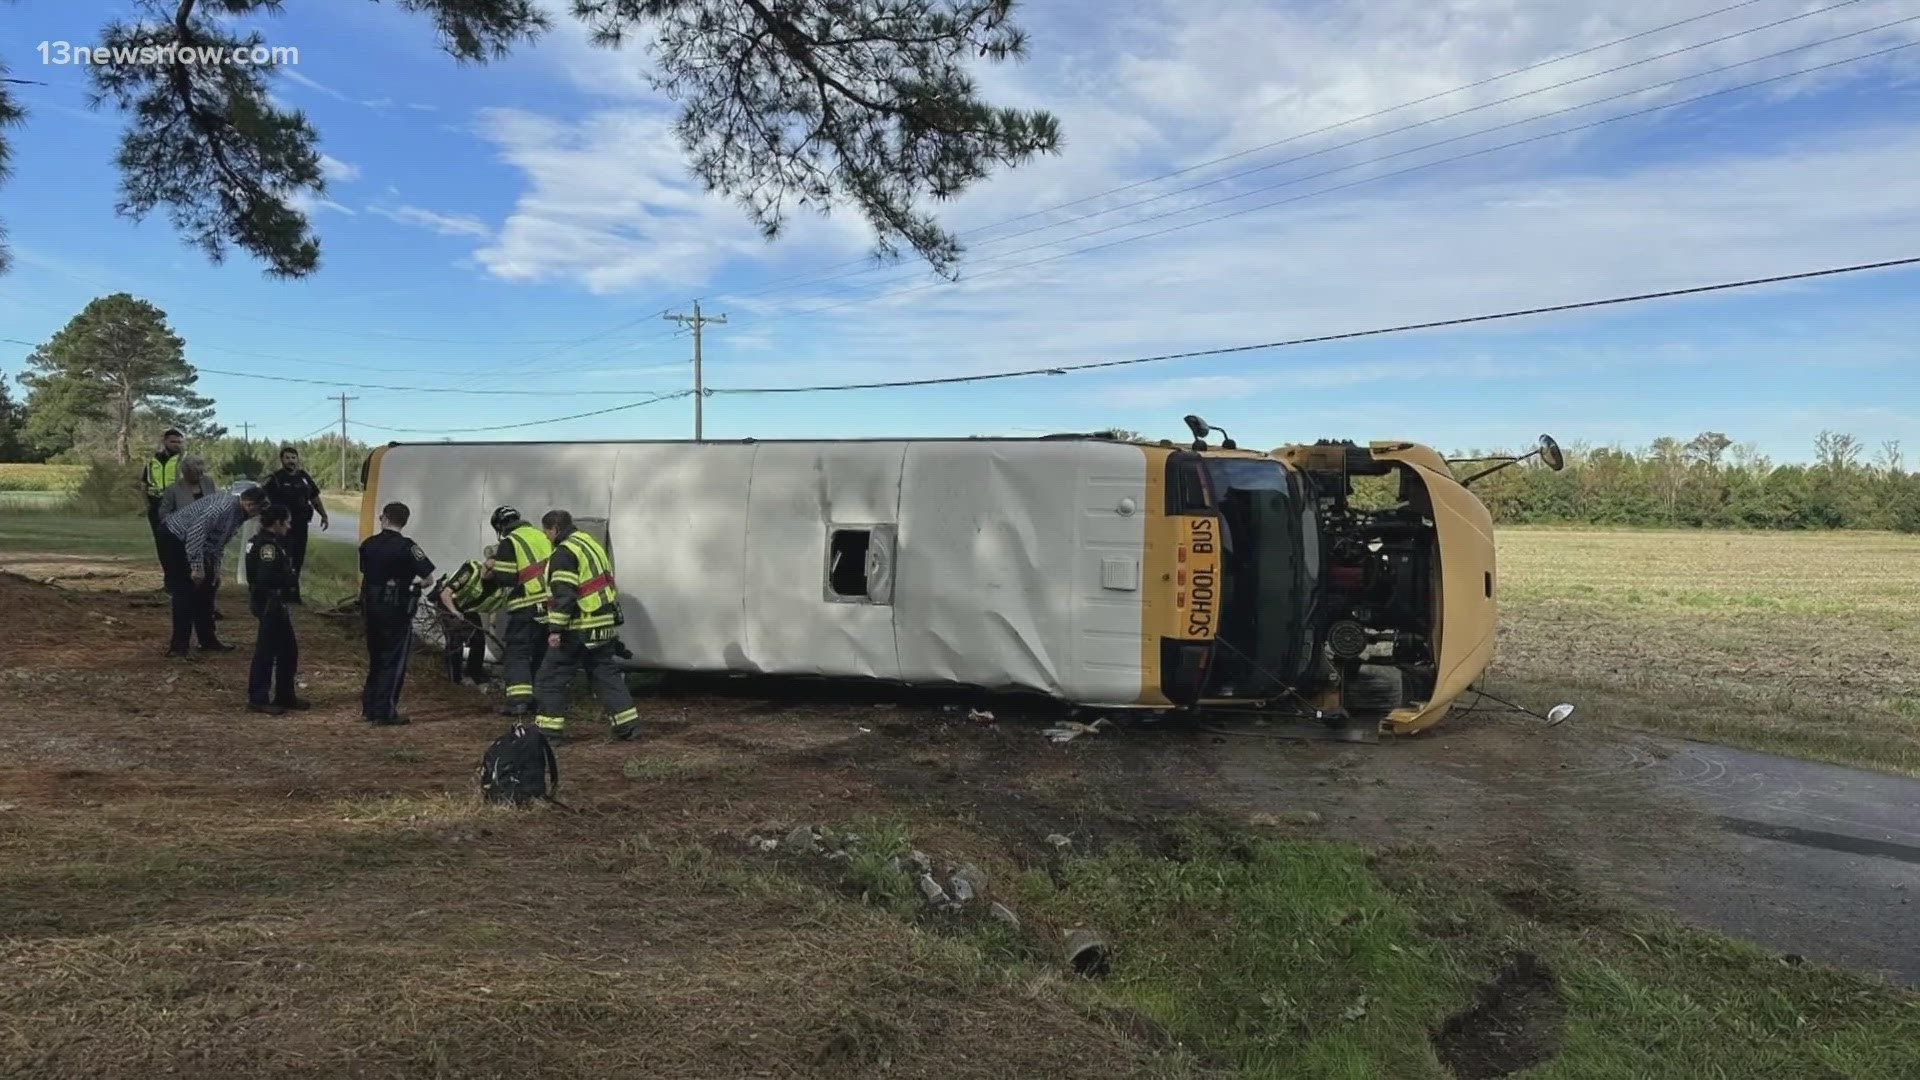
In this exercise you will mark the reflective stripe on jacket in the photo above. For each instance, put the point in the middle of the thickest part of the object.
(581, 580)
(527, 550)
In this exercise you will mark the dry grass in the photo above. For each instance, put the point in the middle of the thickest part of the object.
(15, 476)
(1798, 643)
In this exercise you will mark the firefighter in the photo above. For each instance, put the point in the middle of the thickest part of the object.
(581, 622)
(519, 568)
(393, 569)
(271, 581)
(467, 596)
(160, 473)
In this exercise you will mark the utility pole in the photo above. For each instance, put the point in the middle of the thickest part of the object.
(246, 440)
(343, 399)
(698, 322)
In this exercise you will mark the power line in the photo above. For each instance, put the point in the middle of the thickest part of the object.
(526, 423)
(1383, 176)
(399, 389)
(1064, 369)
(780, 285)
(1434, 120)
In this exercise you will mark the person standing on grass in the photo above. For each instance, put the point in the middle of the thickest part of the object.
(582, 631)
(160, 473)
(270, 584)
(293, 489)
(392, 571)
(194, 484)
(198, 536)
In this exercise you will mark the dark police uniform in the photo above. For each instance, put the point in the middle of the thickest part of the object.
(296, 491)
(388, 564)
(276, 656)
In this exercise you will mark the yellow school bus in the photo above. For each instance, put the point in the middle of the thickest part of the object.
(1090, 569)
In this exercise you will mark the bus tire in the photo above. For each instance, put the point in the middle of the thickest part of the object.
(1373, 688)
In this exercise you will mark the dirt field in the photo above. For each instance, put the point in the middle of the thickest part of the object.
(1806, 644)
(188, 889)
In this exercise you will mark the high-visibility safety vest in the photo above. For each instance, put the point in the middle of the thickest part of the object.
(528, 549)
(472, 592)
(160, 475)
(592, 577)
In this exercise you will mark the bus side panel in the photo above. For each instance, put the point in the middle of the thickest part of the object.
(452, 490)
(801, 495)
(679, 534)
(1002, 548)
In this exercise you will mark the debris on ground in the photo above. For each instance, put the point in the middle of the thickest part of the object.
(1060, 843)
(967, 883)
(931, 889)
(980, 716)
(1068, 730)
(1087, 954)
(1003, 913)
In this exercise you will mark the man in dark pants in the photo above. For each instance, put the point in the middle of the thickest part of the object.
(161, 471)
(582, 631)
(392, 570)
(293, 489)
(519, 569)
(198, 536)
(270, 581)
(467, 597)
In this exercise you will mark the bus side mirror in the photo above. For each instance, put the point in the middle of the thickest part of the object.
(1550, 453)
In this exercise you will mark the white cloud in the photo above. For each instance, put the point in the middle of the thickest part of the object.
(609, 205)
(312, 84)
(1421, 251)
(311, 205)
(337, 171)
(444, 224)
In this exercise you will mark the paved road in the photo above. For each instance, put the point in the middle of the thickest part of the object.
(1826, 859)
(1814, 860)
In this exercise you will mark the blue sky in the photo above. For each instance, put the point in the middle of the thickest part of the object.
(520, 226)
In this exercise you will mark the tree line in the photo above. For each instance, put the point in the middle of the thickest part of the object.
(103, 388)
(1710, 481)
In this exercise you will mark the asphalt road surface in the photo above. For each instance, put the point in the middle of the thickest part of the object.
(1816, 861)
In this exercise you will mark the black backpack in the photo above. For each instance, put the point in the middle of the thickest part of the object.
(519, 768)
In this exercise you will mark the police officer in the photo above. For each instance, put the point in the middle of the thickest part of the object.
(292, 488)
(161, 471)
(392, 569)
(519, 568)
(270, 583)
(581, 630)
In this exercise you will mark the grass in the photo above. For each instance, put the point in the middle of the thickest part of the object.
(40, 478)
(332, 571)
(1274, 957)
(1794, 643)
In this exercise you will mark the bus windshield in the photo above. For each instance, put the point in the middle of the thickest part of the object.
(1268, 564)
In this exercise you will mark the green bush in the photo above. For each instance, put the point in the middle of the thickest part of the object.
(108, 490)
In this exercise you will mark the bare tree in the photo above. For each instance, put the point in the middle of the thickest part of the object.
(1836, 451)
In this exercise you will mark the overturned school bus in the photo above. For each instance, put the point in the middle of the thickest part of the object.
(1092, 570)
